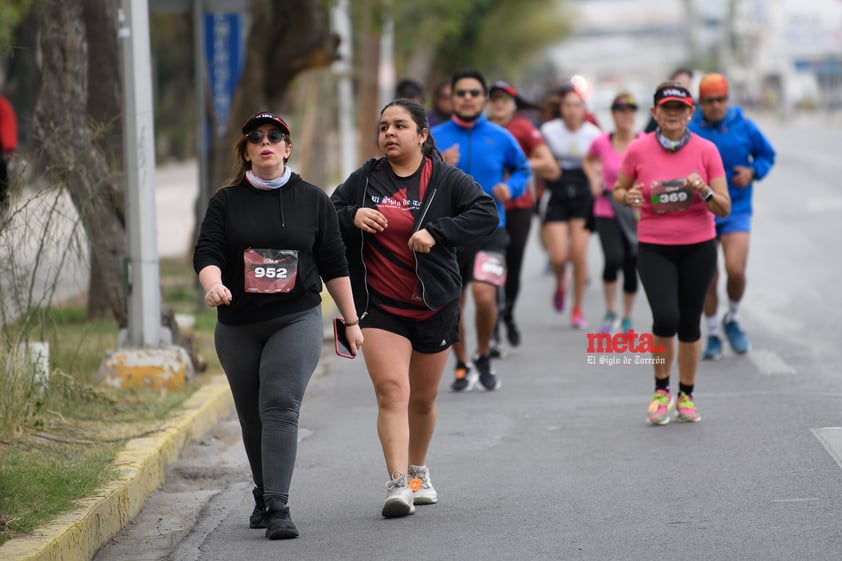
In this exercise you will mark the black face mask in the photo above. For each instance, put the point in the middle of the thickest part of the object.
(671, 145)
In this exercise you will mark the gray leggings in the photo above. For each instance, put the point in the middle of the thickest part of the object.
(268, 366)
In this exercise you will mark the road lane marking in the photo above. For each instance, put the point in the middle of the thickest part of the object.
(797, 500)
(831, 439)
(770, 362)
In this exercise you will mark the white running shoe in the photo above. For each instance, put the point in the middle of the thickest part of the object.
(422, 486)
(399, 500)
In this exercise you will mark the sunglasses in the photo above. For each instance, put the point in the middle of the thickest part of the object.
(717, 99)
(256, 137)
(463, 93)
(500, 96)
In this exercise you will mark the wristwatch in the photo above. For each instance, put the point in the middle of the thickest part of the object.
(708, 194)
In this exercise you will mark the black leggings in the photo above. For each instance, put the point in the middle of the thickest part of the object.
(618, 254)
(518, 223)
(268, 365)
(676, 280)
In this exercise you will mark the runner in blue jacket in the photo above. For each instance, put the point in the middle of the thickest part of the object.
(490, 154)
(747, 156)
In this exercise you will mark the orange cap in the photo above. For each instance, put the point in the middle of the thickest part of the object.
(713, 84)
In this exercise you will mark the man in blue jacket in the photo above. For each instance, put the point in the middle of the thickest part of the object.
(490, 154)
(747, 156)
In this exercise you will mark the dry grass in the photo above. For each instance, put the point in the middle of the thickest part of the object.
(57, 442)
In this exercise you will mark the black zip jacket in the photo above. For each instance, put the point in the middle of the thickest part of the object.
(455, 210)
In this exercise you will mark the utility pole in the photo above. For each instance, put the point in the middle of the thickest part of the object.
(201, 130)
(146, 357)
(144, 307)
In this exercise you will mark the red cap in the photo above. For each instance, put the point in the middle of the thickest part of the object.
(672, 91)
(520, 102)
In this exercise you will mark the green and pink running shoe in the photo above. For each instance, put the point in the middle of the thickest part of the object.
(685, 409)
(660, 407)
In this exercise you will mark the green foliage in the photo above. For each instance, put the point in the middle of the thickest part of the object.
(514, 33)
(437, 22)
(498, 37)
(11, 12)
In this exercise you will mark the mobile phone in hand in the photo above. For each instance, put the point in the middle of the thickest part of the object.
(340, 338)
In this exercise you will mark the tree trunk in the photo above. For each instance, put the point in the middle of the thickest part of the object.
(287, 37)
(72, 150)
(368, 63)
(23, 81)
(105, 107)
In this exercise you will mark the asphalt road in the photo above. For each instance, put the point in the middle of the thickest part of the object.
(559, 464)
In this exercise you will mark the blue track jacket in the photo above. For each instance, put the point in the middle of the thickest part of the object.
(740, 143)
(490, 154)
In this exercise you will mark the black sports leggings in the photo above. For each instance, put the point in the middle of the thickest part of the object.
(518, 223)
(676, 279)
(268, 365)
(618, 254)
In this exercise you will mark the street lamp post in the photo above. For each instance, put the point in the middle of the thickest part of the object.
(144, 324)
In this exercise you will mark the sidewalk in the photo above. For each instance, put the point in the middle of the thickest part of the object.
(77, 535)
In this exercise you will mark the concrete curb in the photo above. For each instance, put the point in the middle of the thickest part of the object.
(77, 535)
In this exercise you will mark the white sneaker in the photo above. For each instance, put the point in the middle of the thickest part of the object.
(399, 499)
(422, 486)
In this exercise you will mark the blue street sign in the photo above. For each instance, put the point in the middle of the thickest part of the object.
(225, 52)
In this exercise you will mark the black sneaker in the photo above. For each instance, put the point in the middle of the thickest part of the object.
(512, 332)
(464, 379)
(258, 515)
(279, 525)
(487, 377)
(495, 350)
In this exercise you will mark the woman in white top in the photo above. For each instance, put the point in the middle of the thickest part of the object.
(567, 203)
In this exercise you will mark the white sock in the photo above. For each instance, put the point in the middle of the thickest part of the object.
(713, 325)
(733, 310)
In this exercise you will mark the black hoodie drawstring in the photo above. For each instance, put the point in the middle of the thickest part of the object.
(281, 205)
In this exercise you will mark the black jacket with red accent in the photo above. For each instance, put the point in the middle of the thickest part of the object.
(455, 210)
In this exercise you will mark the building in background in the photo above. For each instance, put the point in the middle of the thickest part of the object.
(781, 54)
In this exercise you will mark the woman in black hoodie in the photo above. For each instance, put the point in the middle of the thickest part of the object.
(401, 217)
(267, 242)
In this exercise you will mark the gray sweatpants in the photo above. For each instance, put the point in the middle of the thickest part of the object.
(268, 366)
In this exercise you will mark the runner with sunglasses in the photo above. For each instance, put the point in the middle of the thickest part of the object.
(747, 157)
(490, 154)
(267, 242)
